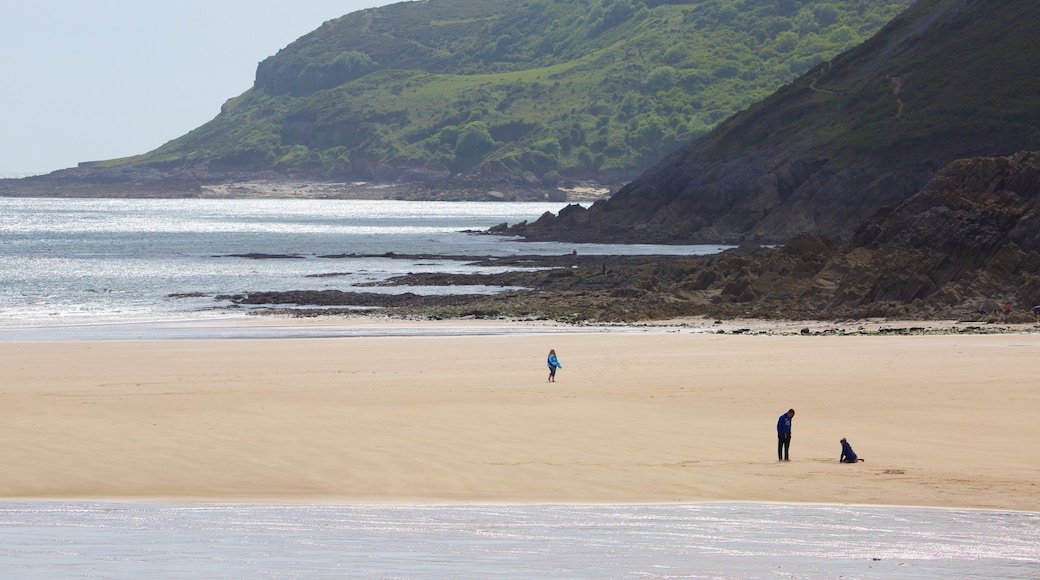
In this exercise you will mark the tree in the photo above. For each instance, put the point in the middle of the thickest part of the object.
(473, 144)
(827, 14)
(661, 78)
(785, 42)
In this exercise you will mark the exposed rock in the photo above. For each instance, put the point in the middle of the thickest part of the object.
(90, 180)
(970, 239)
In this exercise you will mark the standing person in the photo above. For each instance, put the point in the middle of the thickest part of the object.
(847, 454)
(554, 364)
(783, 435)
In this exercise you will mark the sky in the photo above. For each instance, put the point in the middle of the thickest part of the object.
(86, 80)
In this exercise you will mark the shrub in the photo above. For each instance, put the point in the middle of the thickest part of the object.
(661, 78)
(785, 42)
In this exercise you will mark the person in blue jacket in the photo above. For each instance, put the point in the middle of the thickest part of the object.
(847, 454)
(554, 364)
(783, 435)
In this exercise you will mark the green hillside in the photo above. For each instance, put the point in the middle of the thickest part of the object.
(594, 88)
(946, 80)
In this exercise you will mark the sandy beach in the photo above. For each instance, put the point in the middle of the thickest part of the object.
(655, 416)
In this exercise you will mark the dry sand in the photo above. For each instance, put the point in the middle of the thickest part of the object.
(633, 417)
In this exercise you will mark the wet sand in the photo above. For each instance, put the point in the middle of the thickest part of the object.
(633, 417)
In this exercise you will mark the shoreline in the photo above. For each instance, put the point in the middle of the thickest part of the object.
(641, 416)
(303, 503)
(128, 183)
(283, 326)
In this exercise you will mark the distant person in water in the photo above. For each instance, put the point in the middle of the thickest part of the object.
(554, 364)
(783, 435)
(847, 454)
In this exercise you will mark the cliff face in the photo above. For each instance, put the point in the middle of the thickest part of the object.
(969, 240)
(969, 210)
(970, 237)
(946, 80)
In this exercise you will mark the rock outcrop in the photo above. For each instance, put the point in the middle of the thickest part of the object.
(970, 239)
(968, 242)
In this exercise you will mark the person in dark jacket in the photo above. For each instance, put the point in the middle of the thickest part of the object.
(783, 434)
(847, 454)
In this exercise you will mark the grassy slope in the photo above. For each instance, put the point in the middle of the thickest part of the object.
(966, 73)
(826, 151)
(606, 87)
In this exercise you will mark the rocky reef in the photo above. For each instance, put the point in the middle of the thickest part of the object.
(961, 249)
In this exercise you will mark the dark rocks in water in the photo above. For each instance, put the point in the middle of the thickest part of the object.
(328, 275)
(322, 298)
(262, 256)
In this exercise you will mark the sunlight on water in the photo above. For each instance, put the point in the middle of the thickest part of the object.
(95, 261)
(81, 540)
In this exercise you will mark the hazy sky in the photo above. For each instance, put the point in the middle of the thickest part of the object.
(84, 80)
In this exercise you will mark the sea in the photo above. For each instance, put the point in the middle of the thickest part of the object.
(727, 540)
(131, 269)
(103, 267)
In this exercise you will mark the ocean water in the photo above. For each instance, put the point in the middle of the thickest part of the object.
(67, 262)
(727, 540)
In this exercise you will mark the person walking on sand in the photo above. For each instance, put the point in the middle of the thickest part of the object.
(783, 435)
(847, 454)
(554, 364)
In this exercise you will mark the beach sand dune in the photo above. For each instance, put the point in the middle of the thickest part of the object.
(949, 420)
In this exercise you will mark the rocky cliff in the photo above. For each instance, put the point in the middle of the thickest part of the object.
(968, 241)
(946, 80)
